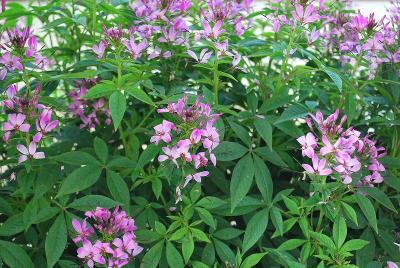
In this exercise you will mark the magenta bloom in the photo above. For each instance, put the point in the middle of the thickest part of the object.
(391, 264)
(87, 252)
(83, 230)
(318, 167)
(211, 137)
(134, 49)
(15, 123)
(44, 124)
(215, 32)
(127, 244)
(29, 153)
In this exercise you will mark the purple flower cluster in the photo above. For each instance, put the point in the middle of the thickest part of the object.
(338, 152)
(110, 242)
(23, 111)
(17, 44)
(191, 140)
(85, 109)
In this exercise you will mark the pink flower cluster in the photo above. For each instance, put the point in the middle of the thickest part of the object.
(19, 43)
(162, 25)
(190, 140)
(88, 110)
(23, 111)
(110, 242)
(338, 152)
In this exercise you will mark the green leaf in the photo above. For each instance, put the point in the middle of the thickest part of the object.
(153, 256)
(335, 78)
(241, 132)
(263, 178)
(139, 94)
(224, 252)
(13, 225)
(276, 218)
(291, 244)
(102, 89)
(187, 248)
(323, 240)
(354, 244)
(228, 151)
(276, 101)
(147, 155)
(56, 240)
(291, 205)
(252, 260)
(30, 212)
(117, 108)
(100, 147)
(174, 259)
(118, 188)
(80, 179)
(77, 158)
(379, 196)
(368, 209)
(5, 207)
(292, 112)
(339, 231)
(14, 256)
(227, 233)
(90, 202)
(206, 217)
(350, 212)
(242, 178)
(255, 229)
(264, 128)
(68, 75)
(200, 235)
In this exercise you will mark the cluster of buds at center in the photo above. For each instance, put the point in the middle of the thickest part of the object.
(190, 140)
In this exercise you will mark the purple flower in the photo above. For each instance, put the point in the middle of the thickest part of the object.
(11, 62)
(318, 167)
(305, 16)
(215, 32)
(308, 143)
(44, 125)
(134, 49)
(211, 137)
(171, 154)
(86, 252)
(127, 244)
(200, 160)
(29, 153)
(203, 57)
(83, 230)
(99, 49)
(391, 264)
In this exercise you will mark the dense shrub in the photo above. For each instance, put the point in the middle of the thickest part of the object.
(214, 133)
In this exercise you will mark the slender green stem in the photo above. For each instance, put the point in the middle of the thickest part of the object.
(216, 80)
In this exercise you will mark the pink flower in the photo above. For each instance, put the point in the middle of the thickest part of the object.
(203, 57)
(15, 123)
(178, 194)
(163, 132)
(13, 176)
(307, 16)
(44, 125)
(127, 244)
(100, 249)
(359, 22)
(313, 36)
(196, 135)
(29, 153)
(308, 143)
(11, 62)
(211, 137)
(200, 160)
(183, 150)
(86, 252)
(99, 49)
(222, 48)
(83, 230)
(171, 154)
(236, 60)
(197, 177)
(318, 167)
(215, 32)
(134, 49)
(32, 47)
(391, 264)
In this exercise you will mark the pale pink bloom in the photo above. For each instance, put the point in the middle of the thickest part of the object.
(44, 124)
(391, 264)
(318, 167)
(211, 137)
(195, 136)
(236, 60)
(13, 176)
(213, 159)
(203, 57)
(329, 148)
(100, 249)
(215, 32)
(222, 48)
(197, 177)
(32, 47)
(29, 153)
(313, 36)
(99, 49)
(200, 160)
(163, 132)
(15, 123)
(308, 143)
(183, 150)
(127, 244)
(87, 253)
(171, 154)
(11, 62)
